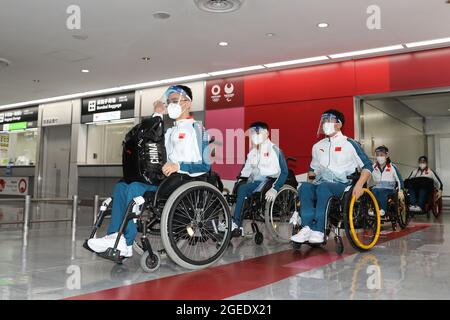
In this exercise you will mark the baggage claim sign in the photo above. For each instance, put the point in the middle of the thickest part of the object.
(19, 119)
(107, 108)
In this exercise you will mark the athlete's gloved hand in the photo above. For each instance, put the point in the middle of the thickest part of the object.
(271, 195)
(439, 194)
(295, 219)
(401, 195)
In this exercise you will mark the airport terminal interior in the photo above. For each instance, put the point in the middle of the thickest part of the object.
(182, 149)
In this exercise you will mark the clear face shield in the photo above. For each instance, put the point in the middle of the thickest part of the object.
(381, 153)
(173, 100)
(258, 135)
(327, 125)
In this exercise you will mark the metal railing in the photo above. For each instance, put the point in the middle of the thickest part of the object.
(26, 221)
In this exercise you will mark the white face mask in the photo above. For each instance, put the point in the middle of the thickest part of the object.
(174, 110)
(422, 166)
(328, 128)
(381, 160)
(257, 139)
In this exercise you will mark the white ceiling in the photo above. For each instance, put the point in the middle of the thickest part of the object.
(34, 37)
(429, 105)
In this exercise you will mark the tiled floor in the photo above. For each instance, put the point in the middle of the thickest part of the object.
(415, 265)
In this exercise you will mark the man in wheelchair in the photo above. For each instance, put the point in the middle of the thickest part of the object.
(417, 196)
(334, 158)
(186, 146)
(265, 164)
(386, 178)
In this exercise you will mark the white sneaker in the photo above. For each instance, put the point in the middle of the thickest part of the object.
(302, 236)
(100, 245)
(129, 253)
(316, 237)
(234, 226)
(382, 213)
(415, 208)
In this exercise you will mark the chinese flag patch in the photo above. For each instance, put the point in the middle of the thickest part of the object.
(181, 135)
(338, 149)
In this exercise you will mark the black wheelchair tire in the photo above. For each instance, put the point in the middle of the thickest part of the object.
(167, 214)
(258, 238)
(150, 263)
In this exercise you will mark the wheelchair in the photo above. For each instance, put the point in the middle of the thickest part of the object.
(275, 215)
(362, 230)
(397, 212)
(191, 216)
(433, 203)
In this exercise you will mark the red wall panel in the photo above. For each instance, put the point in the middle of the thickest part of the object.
(308, 83)
(420, 70)
(298, 123)
(408, 71)
(218, 121)
(292, 100)
(372, 75)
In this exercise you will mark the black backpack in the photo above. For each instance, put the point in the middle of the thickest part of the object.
(144, 152)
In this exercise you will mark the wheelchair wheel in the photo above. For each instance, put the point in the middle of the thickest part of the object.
(295, 245)
(279, 212)
(150, 263)
(437, 205)
(403, 216)
(196, 225)
(362, 230)
(258, 238)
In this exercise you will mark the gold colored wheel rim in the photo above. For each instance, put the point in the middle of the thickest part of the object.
(352, 226)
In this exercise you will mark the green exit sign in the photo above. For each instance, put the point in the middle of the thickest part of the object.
(17, 126)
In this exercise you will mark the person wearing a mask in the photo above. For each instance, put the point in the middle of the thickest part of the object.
(187, 153)
(333, 159)
(417, 198)
(386, 177)
(264, 161)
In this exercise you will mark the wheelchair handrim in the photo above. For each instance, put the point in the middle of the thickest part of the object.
(270, 220)
(355, 238)
(171, 247)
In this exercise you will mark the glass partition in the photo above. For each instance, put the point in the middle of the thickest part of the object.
(18, 147)
(104, 142)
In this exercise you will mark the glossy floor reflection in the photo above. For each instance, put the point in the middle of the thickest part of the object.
(415, 266)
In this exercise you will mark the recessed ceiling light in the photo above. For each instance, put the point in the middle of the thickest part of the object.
(323, 25)
(161, 15)
(270, 34)
(219, 6)
(146, 58)
(85, 70)
(223, 43)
